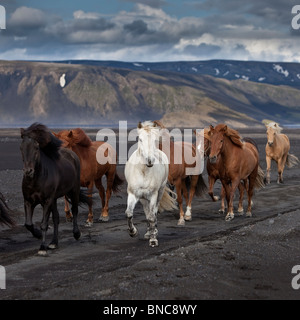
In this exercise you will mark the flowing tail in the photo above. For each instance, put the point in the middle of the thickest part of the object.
(5, 218)
(85, 198)
(201, 187)
(117, 183)
(168, 201)
(291, 160)
(260, 179)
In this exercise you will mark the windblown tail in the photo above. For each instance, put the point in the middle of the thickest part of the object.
(117, 183)
(291, 160)
(260, 179)
(201, 187)
(85, 198)
(168, 201)
(5, 218)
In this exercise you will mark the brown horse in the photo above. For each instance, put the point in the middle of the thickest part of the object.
(213, 173)
(178, 176)
(91, 170)
(277, 149)
(240, 162)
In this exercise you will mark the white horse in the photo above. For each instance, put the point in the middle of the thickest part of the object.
(146, 173)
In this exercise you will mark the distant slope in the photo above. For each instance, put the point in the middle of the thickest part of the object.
(56, 93)
(277, 73)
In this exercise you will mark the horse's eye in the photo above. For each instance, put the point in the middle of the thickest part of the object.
(222, 141)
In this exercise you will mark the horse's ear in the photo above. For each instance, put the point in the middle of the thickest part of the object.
(55, 134)
(140, 125)
(22, 132)
(275, 125)
(212, 129)
(225, 128)
(155, 124)
(70, 134)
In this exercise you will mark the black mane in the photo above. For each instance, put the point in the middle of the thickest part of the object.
(48, 143)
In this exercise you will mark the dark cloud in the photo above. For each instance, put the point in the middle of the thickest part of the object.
(136, 27)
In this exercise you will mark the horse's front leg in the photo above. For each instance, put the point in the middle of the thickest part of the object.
(188, 213)
(280, 166)
(131, 202)
(29, 207)
(44, 227)
(55, 216)
(269, 162)
(230, 190)
(152, 221)
(178, 186)
(241, 187)
(211, 182)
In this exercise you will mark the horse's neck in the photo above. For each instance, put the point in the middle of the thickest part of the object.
(82, 152)
(226, 152)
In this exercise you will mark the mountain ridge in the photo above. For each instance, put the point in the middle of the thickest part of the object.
(90, 94)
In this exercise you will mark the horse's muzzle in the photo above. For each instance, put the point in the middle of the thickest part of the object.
(213, 159)
(270, 144)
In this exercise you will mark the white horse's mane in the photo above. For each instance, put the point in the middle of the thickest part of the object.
(149, 125)
(275, 126)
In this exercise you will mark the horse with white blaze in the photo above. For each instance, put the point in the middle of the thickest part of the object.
(146, 172)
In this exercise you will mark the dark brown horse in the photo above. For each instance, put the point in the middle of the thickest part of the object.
(92, 171)
(178, 176)
(213, 171)
(5, 217)
(50, 172)
(240, 162)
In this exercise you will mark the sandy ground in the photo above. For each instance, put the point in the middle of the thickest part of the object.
(247, 258)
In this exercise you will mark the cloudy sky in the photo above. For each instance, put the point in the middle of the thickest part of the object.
(149, 30)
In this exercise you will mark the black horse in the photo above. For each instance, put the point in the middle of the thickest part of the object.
(5, 217)
(50, 172)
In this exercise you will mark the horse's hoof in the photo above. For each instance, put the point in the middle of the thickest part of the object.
(77, 235)
(43, 253)
(88, 224)
(153, 243)
(188, 218)
(181, 222)
(52, 246)
(248, 214)
(103, 219)
(134, 233)
(216, 198)
(221, 211)
(240, 212)
(229, 217)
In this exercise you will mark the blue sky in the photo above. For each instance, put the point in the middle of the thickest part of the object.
(149, 30)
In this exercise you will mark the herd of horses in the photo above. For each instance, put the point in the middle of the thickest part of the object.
(59, 164)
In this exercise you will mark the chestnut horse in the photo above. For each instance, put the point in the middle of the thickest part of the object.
(240, 162)
(214, 175)
(277, 149)
(91, 170)
(178, 175)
